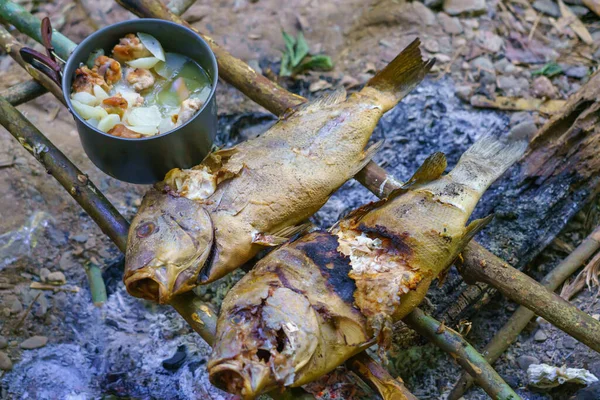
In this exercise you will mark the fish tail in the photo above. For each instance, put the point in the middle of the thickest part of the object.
(401, 75)
(486, 160)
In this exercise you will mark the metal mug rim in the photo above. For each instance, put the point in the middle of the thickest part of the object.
(215, 78)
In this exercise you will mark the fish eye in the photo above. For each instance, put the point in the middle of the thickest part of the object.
(146, 229)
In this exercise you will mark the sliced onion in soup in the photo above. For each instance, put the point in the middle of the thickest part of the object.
(140, 116)
(108, 122)
(145, 63)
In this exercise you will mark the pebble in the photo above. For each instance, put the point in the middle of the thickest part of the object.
(457, 7)
(5, 363)
(525, 361)
(523, 130)
(463, 92)
(569, 342)
(81, 238)
(547, 7)
(512, 86)
(3, 342)
(44, 272)
(577, 72)
(57, 277)
(483, 62)
(450, 25)
(543, 87)
(34, 342)
(540, 336)
(175, 362)
(431, 45)
(13, 304)
(489, 41)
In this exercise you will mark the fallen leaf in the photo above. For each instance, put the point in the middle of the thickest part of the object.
(575, 23)
(319, 85)
(593, 5)
(519, 104)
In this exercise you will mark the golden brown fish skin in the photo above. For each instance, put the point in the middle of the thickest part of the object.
(318, 303)
(257, 192)
(380, 260)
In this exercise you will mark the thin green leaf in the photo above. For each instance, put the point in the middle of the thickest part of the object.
(549, 70)
(319, 62)
(301, 50)
(290, 42)
(285, 70)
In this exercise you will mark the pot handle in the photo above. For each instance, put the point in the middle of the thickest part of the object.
(46, 64)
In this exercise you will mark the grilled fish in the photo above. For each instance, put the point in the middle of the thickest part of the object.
(316, 301)
(201, 223)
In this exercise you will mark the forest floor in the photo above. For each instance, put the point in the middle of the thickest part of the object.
(485, 50)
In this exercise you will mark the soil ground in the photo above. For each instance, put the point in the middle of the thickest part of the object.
(42, 227)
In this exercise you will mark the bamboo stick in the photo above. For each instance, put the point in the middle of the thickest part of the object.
(519, 320)
(30, 25)
(462, 352)
(23, 92)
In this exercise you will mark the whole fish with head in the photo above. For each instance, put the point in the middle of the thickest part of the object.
(201, 223)
(313, 303)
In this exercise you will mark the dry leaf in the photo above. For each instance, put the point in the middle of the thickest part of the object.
(519, 104)
(593, 5)
(575, 23)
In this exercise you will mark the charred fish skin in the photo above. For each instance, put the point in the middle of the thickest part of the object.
(288, 320)
(373, 267)
(259, 193)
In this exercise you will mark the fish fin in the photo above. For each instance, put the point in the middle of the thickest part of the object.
(401, 75)
(474, 227)
(327, 99)
(432, 168)
(368, 155)
(281, 236)
(486, 160)
(356, 215)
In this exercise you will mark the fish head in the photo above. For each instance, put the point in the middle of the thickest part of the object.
(170, 240)
(265, 343)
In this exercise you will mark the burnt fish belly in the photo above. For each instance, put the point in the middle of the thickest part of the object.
(201, 223)
(313, 303)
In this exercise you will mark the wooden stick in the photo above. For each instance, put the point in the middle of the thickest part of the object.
(23, 92)
(463, 353)
(524, 290)
(68, 175)
(12, 47)
(30, 25)
(232, 70)
(178, 7)
(519, 320)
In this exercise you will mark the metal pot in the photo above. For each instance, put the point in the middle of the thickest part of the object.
(146, 160)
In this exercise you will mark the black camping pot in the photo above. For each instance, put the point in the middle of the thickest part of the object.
(147, 159)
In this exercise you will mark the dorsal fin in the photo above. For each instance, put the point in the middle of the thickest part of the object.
(474, 227)
(327, 99)
(432, 168)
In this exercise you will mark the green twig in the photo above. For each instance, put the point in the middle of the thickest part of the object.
(463, 353)
(96, 282)
(30, 25)
(23, 92)
(178, 7)
(519, 320)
